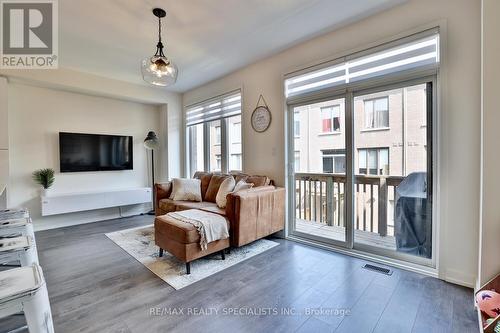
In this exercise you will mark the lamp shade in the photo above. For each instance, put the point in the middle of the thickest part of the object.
(159, 71)
(151, 140)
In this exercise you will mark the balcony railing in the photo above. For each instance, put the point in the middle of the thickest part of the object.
(320, 197)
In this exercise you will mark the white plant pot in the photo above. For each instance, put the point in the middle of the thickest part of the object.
(45, 192)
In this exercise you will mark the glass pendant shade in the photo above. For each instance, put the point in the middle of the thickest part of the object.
(158, 70)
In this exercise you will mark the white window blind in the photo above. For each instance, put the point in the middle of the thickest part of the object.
(223, 106)
(414, 54)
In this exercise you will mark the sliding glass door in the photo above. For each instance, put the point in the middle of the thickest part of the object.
(319, 158)
(393, 170)
(361, 170)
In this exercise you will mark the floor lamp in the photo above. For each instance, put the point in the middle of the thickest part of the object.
(151, 143)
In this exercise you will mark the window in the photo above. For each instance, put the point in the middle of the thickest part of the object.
(217, 135)
(377, 113)
(373, 161)
(214, 134)
(334, 161)
(417, 52)
(296, 124)
(397, 159)
(296, 164)
(330, 118)
(218, 163)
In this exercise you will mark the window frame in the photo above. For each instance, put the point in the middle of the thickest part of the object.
(333, 153)
(331, 119)
(432, 76)
(375, 125)
(378, 168)
(225, 133)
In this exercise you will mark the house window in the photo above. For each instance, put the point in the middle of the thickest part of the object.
(373, 161)
(377, 112)
(334, 161)
(218, 163)
(296, 164)
(296, 124)
(330, 119)
(214, 134)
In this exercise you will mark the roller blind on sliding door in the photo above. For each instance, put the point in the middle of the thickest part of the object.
(415, 53)
(223, 106)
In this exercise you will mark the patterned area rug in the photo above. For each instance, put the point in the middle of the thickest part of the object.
(139, 243)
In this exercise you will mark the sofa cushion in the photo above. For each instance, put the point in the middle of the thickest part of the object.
(163, 189)
(214, 209)
(205, 181)
(183, 205)
(176, 230)
(214, 185)
(258, 180)
(186, 189)
(169, 205)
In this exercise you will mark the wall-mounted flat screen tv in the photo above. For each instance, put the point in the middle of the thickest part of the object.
(95, 152)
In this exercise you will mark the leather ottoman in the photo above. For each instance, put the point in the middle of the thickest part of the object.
(182, 240)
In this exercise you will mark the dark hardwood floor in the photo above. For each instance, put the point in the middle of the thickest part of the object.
(94, 286)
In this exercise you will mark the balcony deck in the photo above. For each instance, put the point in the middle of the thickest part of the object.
(338, 233)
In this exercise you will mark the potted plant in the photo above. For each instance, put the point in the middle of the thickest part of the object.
(44, 178)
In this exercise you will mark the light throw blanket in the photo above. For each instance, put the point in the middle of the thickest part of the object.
(210, 226)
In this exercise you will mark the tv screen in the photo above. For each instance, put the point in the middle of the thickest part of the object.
(95, 152)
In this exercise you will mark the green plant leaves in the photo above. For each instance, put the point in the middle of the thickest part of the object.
(44, 177)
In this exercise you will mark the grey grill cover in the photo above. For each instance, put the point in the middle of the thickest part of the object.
(411, 221)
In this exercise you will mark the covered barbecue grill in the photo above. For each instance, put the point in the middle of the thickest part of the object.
(412, 220)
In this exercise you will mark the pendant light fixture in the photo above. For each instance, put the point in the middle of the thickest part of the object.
(158, 69)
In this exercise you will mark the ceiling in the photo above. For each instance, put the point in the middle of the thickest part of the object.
(207, 39)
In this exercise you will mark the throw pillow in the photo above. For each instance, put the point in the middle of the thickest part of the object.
(213, 187)
(242, 185)
(225, 188)
(186, 189)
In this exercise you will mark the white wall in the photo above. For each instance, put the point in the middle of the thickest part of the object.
(489, 247)
(460, 112)
(37, 115)
(4, 143)
(43, 102)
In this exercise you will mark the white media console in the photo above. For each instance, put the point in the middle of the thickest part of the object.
(82, 201)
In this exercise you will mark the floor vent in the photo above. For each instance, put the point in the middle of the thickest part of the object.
(378, 269)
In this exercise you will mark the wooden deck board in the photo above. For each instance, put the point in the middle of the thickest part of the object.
(338, 233)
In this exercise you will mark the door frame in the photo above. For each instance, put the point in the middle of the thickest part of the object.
(349, 185)
(349, 93)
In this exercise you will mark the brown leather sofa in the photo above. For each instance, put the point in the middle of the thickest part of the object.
(253, 214)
